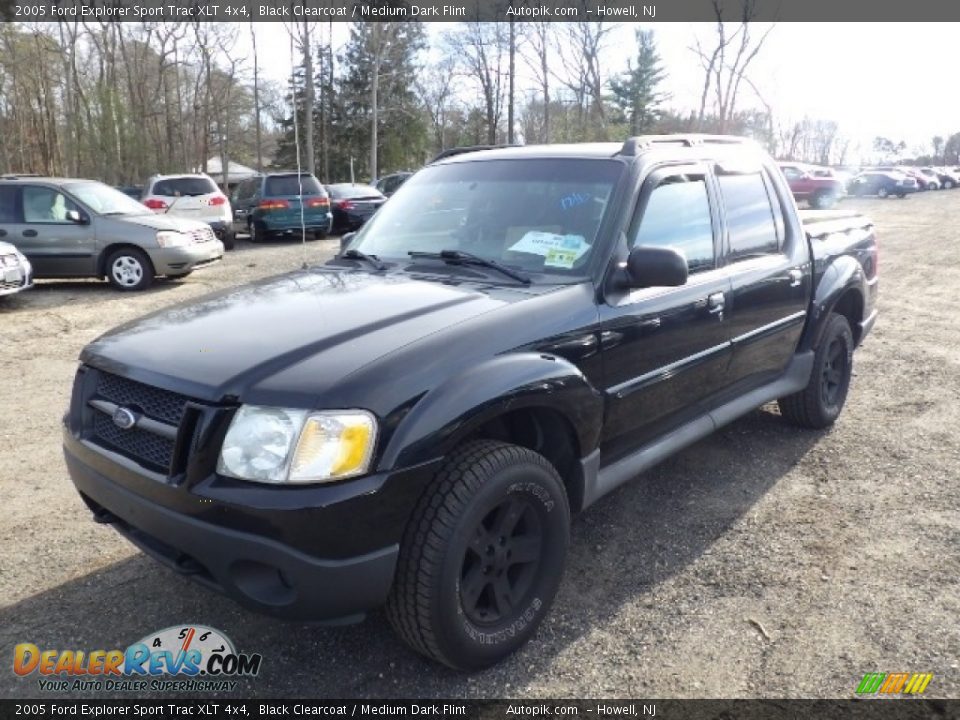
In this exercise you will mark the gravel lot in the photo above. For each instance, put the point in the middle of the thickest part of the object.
(763, 562)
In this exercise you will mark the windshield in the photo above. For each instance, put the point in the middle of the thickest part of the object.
(104, 200)
(184, 186)
(353, 191)
(277, 185)
(538, 215)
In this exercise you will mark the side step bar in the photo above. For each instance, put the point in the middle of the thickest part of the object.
(599, 483)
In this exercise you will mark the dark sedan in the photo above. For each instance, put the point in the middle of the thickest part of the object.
(882, 184)
(353, 205)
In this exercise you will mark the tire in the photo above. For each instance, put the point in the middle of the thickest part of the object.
(822, 201)
(258, 233)
(883, 192)
(129, 269)
(229, 240)
(819, 404)
(901, 195)
(319, 235)
(442, 605)
(948, 185)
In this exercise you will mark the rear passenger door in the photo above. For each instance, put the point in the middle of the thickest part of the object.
(768, 265)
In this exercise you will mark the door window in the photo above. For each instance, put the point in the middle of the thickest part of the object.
(9, 207)
(677, 216)
(45, 205)
(750, 219)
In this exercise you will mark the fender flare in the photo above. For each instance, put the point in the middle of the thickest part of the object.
(452, 410)
(845, 273)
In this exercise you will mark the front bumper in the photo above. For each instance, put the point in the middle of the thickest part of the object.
(184, 259)
(23, 281)
(312, 554)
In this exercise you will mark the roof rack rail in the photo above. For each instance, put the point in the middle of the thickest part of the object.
(451, 152)
(17, 176)
(634, 145)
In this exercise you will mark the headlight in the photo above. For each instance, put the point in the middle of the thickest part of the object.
(279, 445)
(171, 239)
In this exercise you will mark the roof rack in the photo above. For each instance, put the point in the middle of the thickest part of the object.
(450, 152)
(634, 145)
(17, 176)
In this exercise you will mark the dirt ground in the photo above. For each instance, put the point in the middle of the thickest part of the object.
(762, 562)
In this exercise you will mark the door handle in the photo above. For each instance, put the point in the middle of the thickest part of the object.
(796, 277)
(29, 233)
(715, 304)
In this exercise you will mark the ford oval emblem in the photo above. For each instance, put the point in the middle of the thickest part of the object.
(124, 418)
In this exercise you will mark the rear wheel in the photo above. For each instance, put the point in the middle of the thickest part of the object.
(948, 184)
(819, 404)
(823, 201)
(129, 269)
(258, 233)
(482, 557)
(229, 240)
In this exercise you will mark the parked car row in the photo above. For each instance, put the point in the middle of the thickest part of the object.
(822, 187)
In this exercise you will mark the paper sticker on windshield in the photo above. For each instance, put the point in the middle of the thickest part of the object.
(560, 251)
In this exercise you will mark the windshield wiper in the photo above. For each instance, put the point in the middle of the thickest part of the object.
(370, 259)
(459, 257)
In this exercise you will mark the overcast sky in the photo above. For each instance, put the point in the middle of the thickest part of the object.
(892, 79)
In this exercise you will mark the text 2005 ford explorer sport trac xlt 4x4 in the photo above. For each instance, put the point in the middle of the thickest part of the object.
(515, 334)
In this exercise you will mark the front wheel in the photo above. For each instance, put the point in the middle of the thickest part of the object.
(818, 405)
(482, 556)
(129, 269)
(948, 185)
(882, 192)
(823, 201)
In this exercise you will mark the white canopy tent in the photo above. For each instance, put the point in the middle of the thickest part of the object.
(236, 171)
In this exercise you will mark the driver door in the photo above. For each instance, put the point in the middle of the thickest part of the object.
(55, 246)
(666, 349)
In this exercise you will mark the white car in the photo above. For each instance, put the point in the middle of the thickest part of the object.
(16, 273)
(195, 197)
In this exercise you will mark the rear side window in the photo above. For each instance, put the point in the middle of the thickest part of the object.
(677, 216)
(184, 187)
(750, 219)
(353, 191)
(278, 185)
(9, 209)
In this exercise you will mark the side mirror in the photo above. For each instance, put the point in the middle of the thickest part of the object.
(75, 216)
(656, 267)
(345, 240)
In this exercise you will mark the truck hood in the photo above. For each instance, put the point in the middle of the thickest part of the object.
(227, 346)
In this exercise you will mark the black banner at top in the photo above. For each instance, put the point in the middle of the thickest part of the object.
(483, 10)
(458, 709)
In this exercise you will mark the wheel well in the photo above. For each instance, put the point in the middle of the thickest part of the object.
(544, 431)
(850, 305)
(110, 249)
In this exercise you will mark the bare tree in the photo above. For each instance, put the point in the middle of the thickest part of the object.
(480, 48)
(726, 64)
(535, 50)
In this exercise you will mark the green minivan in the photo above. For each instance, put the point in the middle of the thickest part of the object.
(281, 203)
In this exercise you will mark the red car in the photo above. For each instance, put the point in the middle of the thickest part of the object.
(818, 190)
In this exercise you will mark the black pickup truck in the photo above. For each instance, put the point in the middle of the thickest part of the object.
(516, 333)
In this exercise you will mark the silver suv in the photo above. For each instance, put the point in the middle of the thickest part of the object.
(83, 228)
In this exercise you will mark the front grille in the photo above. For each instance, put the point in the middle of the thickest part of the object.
(4, 285)
(135, 443)
(202, 235)
(159, 404)
(145, 447)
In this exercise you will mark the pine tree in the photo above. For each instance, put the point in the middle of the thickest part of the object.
(635, 92)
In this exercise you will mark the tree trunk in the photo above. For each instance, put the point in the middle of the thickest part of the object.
(513, 52)
(309, 99)
(256, 98)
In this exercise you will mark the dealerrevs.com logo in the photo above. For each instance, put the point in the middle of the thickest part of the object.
(188, 658)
